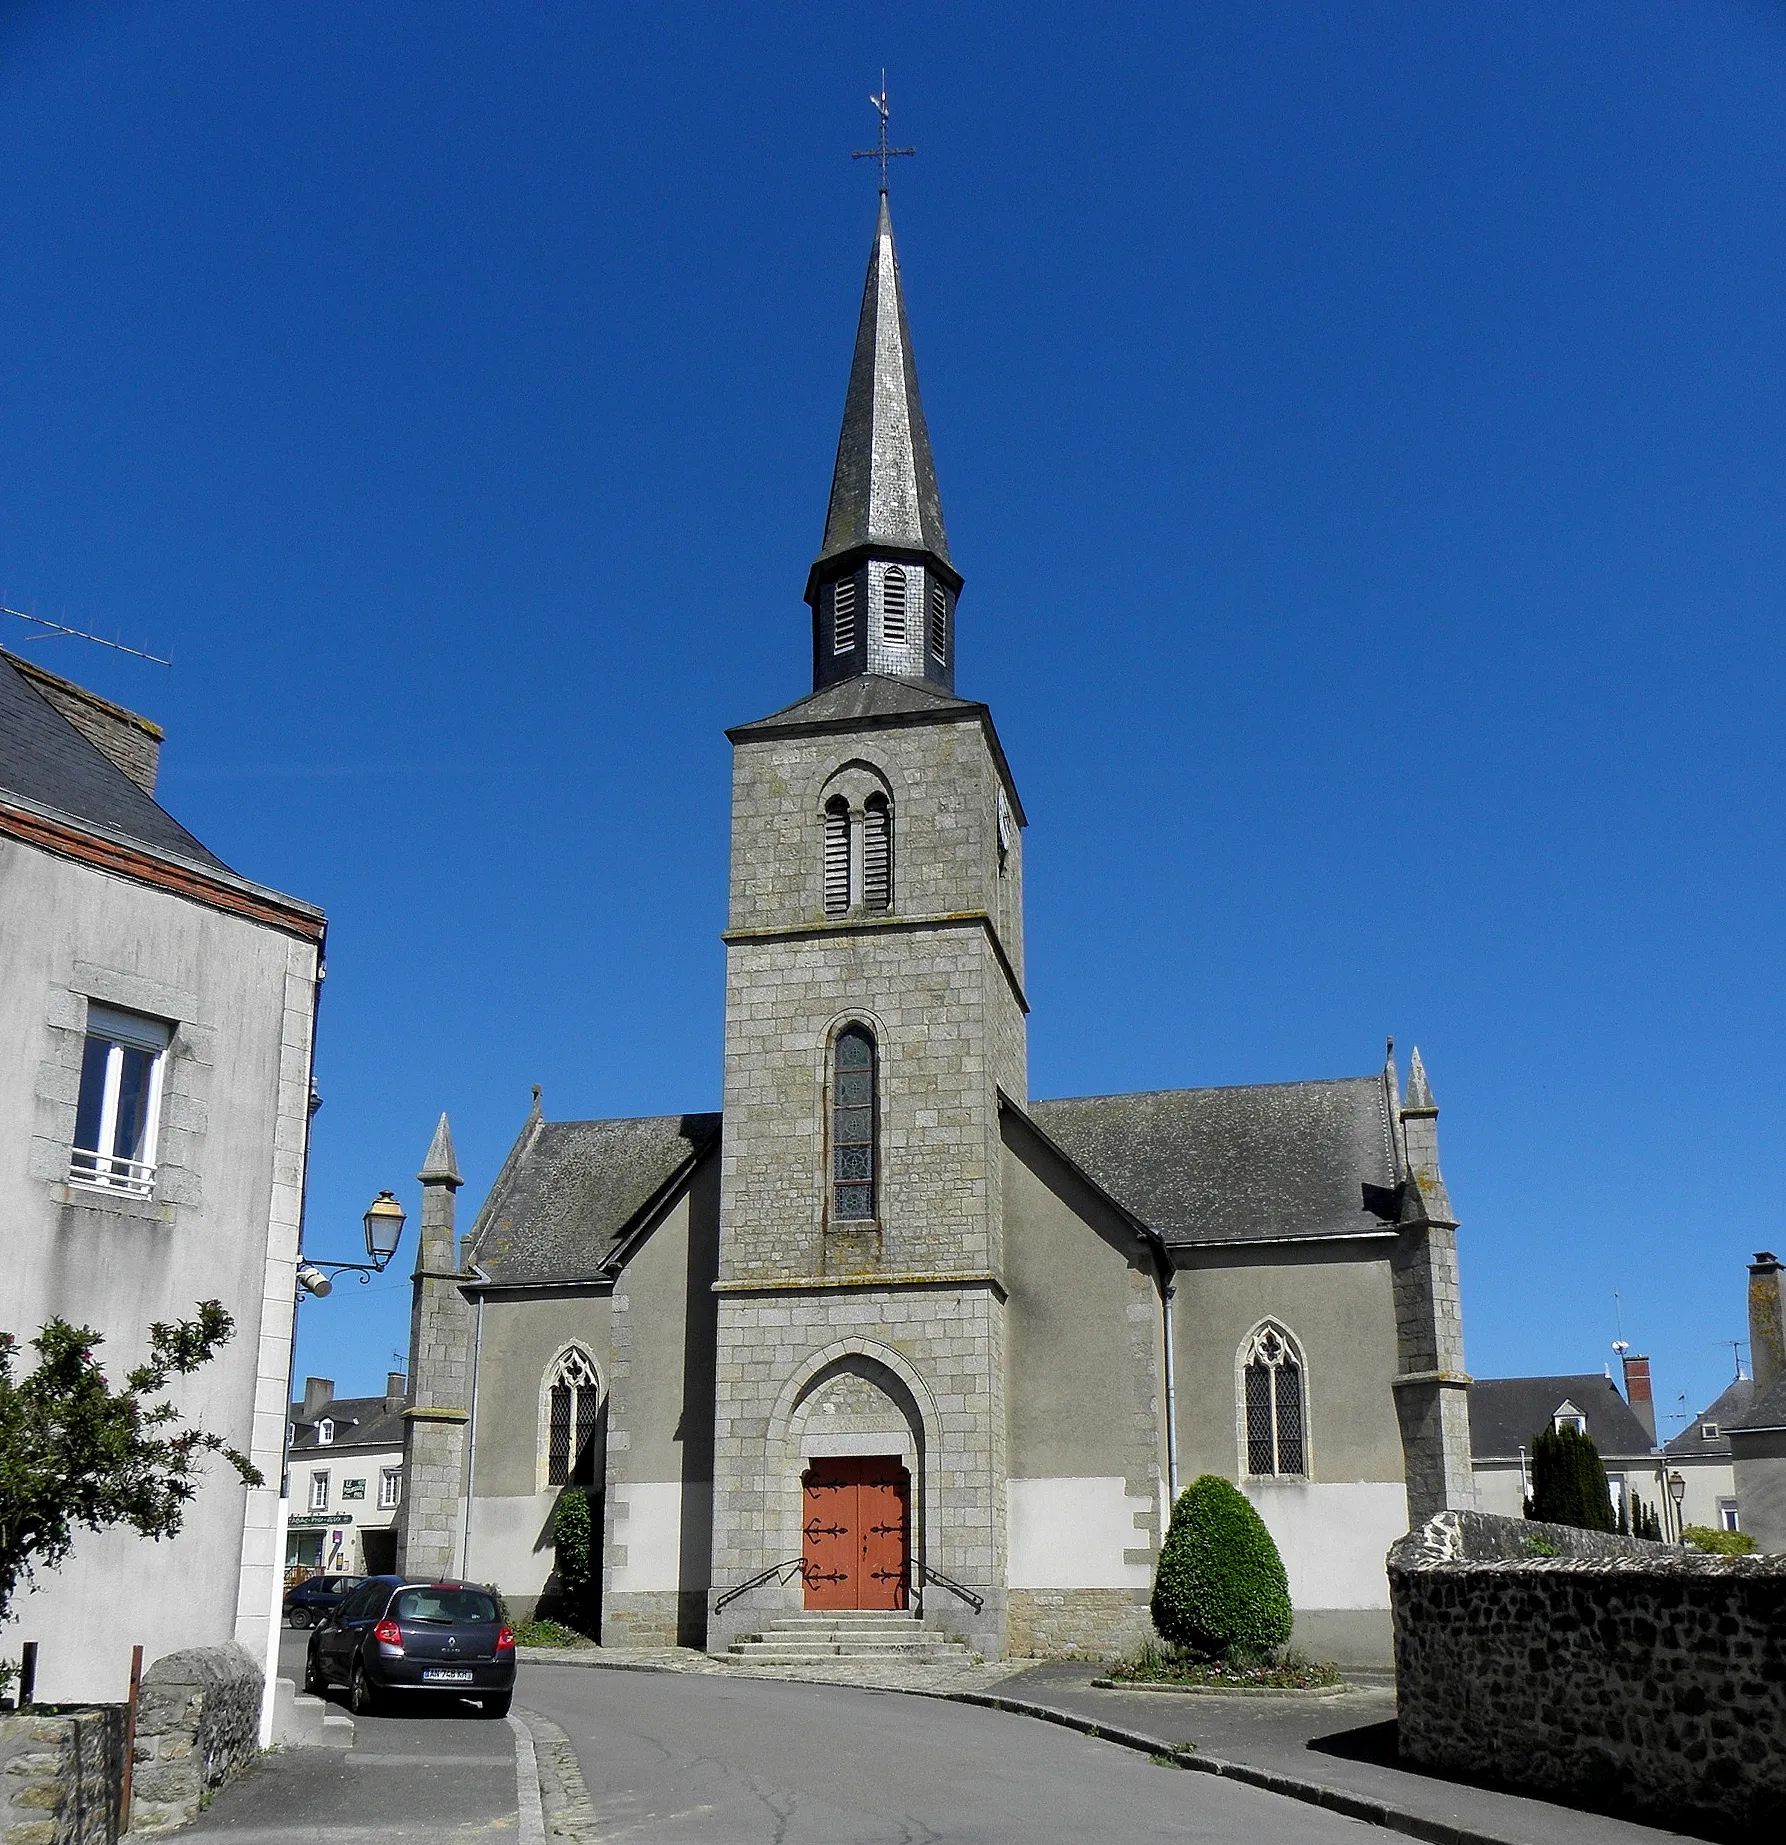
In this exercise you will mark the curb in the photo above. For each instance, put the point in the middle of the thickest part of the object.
(1292, 1787)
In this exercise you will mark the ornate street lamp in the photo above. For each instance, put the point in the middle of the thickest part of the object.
(384, 1221)
(1677, 1491)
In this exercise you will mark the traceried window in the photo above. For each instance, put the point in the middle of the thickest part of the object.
(843, 616)
(1272, 1388)
(118, 1117)
(939, 621)
(572, 1405)
(837, 856)
(877, 853)
(852, 1127)
(893, 604)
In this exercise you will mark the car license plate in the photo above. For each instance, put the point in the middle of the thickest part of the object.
(445, 1675)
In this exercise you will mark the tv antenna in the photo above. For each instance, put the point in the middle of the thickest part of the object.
(80, 634)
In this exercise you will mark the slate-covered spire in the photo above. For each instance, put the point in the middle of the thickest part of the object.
(883, 588)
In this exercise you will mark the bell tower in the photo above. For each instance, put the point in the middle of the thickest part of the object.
(874, 1014)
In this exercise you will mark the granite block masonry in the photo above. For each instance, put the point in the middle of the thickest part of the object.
(60, 1776)
(1635, 1678)
(197, 1727)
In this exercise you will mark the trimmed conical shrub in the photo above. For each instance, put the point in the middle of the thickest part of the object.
(1221, 1587)
(1569, 1481)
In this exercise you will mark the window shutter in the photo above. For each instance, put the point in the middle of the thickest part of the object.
(939, 621)
(877, 854)
(837, 856)
(843, 616)
(893, 604)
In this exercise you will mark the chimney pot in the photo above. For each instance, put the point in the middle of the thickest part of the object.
(319, 1393)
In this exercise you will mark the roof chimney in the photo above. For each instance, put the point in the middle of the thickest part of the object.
(1637, 1392)
(319, 1393)
(396, 1387)
(127, 741)
(1767, 1322)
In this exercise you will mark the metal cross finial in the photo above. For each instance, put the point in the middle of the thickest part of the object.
(883, 153)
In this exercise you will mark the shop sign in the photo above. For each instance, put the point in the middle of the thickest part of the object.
(317, 1521)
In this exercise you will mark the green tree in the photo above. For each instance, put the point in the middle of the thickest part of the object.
(1220, 1588)
(1568, 1481)
(1719, 1543)
(574, 1542)
(76, 1455)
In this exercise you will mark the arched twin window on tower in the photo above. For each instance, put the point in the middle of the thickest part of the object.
(858, 871)
(854, 1102)
(1273, 1402)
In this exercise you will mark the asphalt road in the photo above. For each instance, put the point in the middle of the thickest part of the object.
(671, 1759)
(447, 1772)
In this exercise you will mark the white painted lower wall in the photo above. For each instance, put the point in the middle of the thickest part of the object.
(1333, 1537)
(511, 1542)
(1071, 1533)
(648, 1521)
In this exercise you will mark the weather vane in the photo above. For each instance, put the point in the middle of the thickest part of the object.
(883, 153)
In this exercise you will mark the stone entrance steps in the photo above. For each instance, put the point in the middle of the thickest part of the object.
(814, 1636)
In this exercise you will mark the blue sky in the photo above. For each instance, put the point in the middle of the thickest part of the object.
(1363, 433)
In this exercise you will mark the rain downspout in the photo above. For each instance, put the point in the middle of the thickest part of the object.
(471, 1447)
(1167, 1293)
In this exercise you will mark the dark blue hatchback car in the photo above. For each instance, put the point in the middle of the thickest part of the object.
(316, 1598)
(392, 1640)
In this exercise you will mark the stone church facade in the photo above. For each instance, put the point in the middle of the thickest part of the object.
(885, 1333)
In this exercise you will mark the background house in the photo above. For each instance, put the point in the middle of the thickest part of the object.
(156, 1031)
(1758, 1437)
(1701, 1455)
(346, 1473)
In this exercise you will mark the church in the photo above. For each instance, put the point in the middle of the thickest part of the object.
(885, 1333)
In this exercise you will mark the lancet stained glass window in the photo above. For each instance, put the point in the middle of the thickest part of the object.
(573, 1402)
(852, 1127)
(1272, 1386)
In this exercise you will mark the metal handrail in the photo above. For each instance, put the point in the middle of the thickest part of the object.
(797, 1565)
(923, 1573)
(111, 1171)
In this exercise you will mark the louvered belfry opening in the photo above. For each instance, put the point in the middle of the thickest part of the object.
(852, 1127)
(877, 853)
(573, 1406)
(1273, 1391)
(837, 856)
(843, 616)
(939, 622)
(893, 605)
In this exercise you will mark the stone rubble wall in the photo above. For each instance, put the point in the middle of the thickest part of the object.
(197, 1727)
(1632, 1677)
(60, 1776)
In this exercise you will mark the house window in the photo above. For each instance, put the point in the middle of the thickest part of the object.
(939, 621)
(843, 616)
(1569, 1419)
(573, 1401)
(117, 1119)
(390, 1488)
(852, 1127)
(353, 1489)
(1727, 1515)
(837, 856)
(893, 605)
(325, 1432)
(1271, 1388)
(319, 1490)
(1708, 1431)
(877, 853)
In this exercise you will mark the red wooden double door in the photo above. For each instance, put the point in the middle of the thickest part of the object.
(856, 1527)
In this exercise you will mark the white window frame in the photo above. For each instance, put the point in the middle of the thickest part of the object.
(1729, 1518)
(1708, 1431)
(319, 1489)
(102, 1168)
(390, 1488)
(325, 1432)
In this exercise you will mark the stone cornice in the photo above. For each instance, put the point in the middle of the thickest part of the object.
(891, 1282)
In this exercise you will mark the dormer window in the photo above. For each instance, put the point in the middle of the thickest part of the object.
(843, 616)
(325, 1432)
(1570, 1419)
(893, 605)
(1708, 1431)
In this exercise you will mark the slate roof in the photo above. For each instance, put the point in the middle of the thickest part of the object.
(360, 1422)
(1770, 1411)
(863, 696)
(45, 760)
(571, 1190)
(883, 488)
(1277, 1160)
(1506, 1412)
(1732, 1406)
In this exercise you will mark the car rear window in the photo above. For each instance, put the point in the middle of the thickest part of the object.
(446, 1605)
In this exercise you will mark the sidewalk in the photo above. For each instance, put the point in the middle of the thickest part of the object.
(1335, 1751)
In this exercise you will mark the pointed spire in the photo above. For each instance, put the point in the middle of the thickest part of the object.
(441, 1167)
(1420, 1094)
(883, 490)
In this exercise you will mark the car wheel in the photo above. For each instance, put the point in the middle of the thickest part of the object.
(362, 1695)
(314, 1682)
(300, 1617)
(497, 1703)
